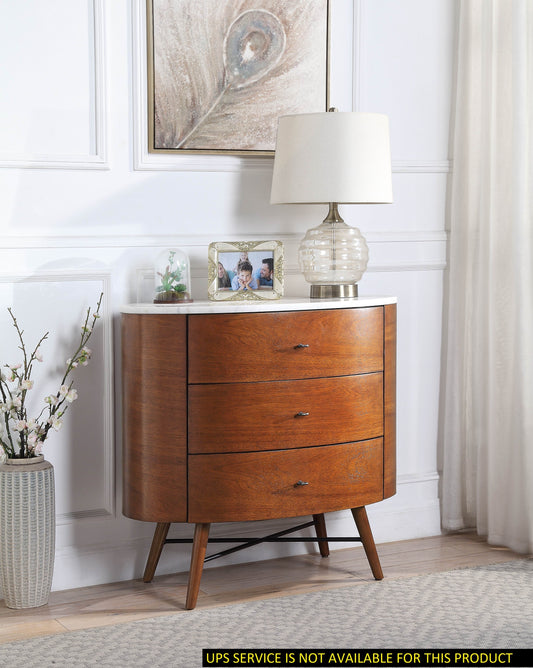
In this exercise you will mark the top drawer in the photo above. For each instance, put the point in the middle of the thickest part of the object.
(280, 346)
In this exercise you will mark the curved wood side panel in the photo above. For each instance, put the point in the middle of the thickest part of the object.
(154, 349)
(389, 440)
(247, 347)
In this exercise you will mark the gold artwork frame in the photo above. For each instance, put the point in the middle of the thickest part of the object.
(208, 90)
(229, 255)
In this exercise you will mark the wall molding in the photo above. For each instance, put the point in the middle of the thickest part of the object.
(13, 242)
(407, 266)
(98, 159)
(421, 250)
(107, 509)
(421, 166)
(359, 63)
(76, 516)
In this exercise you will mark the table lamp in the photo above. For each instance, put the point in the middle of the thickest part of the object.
(332, 158)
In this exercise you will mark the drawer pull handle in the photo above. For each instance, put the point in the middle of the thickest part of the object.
(301, 414)
(301, 345)
(300, 483)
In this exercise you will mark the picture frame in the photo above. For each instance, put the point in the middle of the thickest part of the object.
(220, 73)
(245, 270)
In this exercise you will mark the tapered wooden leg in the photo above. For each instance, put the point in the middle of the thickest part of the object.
(363, 526)
(158, 541)
(320, 527)
(201, 534)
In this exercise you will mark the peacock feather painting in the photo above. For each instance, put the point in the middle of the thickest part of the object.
(223, 71)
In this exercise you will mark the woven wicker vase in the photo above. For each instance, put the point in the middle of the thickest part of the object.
(27, 531)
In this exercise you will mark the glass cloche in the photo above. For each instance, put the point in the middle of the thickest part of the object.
(172, 277)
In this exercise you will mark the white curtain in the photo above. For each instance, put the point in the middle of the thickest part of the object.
(487, 417)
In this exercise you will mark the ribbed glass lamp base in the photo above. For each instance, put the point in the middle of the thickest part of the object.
(333, 257)
(337, 291)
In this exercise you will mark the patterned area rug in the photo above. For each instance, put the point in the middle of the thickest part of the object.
(482, 607)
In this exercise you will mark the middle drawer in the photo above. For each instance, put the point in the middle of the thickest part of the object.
(241, 417)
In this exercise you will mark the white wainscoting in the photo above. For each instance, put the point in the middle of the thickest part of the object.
(83, 451)
(57, 89)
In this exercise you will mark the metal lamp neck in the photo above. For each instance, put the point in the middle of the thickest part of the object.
(333, 214)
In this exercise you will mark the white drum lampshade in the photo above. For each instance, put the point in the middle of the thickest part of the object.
(332, 158)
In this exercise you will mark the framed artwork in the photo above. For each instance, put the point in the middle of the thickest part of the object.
(221, 72)
(245, 270)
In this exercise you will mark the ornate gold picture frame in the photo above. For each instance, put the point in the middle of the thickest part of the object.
(245, 270)
(221, 72)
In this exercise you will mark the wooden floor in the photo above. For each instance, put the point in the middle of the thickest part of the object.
(127, 601)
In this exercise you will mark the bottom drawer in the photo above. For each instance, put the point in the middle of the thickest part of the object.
(263, 485)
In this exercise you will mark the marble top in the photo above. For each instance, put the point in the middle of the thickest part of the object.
(267, 305)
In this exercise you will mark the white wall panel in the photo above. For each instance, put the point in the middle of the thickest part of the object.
(408, 54)
(82, 451)
(52, 83)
